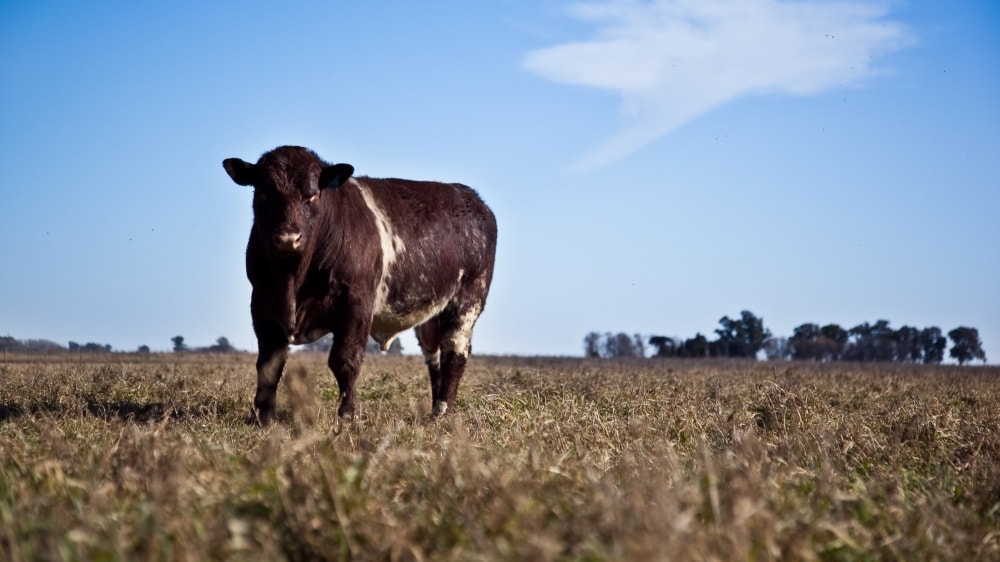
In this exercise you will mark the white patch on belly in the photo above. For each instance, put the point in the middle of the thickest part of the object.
(387, 323)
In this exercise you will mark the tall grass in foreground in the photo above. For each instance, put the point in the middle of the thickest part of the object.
(544, 460)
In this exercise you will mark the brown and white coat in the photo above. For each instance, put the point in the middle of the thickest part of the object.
(362, 256)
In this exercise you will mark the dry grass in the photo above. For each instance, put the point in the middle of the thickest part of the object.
(545, 460)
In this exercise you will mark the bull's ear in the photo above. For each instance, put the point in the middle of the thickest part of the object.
(333, 176)
(241, 172)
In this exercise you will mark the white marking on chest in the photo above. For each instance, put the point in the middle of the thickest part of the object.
(388, 322)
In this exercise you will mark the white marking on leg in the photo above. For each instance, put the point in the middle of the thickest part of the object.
(433, 359)
(460, 341)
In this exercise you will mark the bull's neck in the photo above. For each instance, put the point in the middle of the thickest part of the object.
(289, 273)
(292, 268)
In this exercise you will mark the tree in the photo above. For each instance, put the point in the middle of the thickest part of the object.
(908, 348)
(724, 348)
(884, 341)
(804, 343)
(89, 347)
(777, 349)
(933, 343)
(966, 345)
(860, 339)
(179, 345)
(222, 345)
(754, 334)
(144, 349)
(639, 345)
(835, 339)
(694, 347)
(871, 342)
(619, 345)
(809, 341)
(743, 337)
(665, 347)
(9, 343)
(592, 345)
(41, 346)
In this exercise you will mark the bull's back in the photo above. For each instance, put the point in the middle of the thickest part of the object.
(446, 226)
(438, 242)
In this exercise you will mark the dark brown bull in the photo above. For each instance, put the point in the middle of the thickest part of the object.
(329, 252)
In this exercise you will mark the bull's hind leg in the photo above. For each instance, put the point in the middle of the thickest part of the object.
(429, 338)
(455, 326)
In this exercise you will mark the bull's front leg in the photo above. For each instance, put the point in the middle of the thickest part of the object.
(271, 357)
(346, 356)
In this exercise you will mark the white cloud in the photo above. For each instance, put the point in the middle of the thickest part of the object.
(674, 60)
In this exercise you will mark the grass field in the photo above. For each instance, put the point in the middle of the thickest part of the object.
(131, 458)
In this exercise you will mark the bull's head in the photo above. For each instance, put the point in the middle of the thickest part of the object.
(287, 183)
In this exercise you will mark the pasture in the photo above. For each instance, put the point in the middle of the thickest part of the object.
(148, 458)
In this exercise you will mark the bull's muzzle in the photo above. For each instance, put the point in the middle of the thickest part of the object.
(288, 241)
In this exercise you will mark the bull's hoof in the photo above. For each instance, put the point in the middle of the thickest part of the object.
(440, 409)
(258, 418)
(347, 413)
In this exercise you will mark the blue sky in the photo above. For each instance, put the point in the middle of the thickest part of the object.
(653, 165)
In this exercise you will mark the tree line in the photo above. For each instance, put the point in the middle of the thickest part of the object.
(10, 344)
(746, 336)
(221, 345)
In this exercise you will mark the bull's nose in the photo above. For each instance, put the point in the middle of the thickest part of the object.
(288, 241)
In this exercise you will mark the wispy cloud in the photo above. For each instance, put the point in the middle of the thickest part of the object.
(674, 60)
